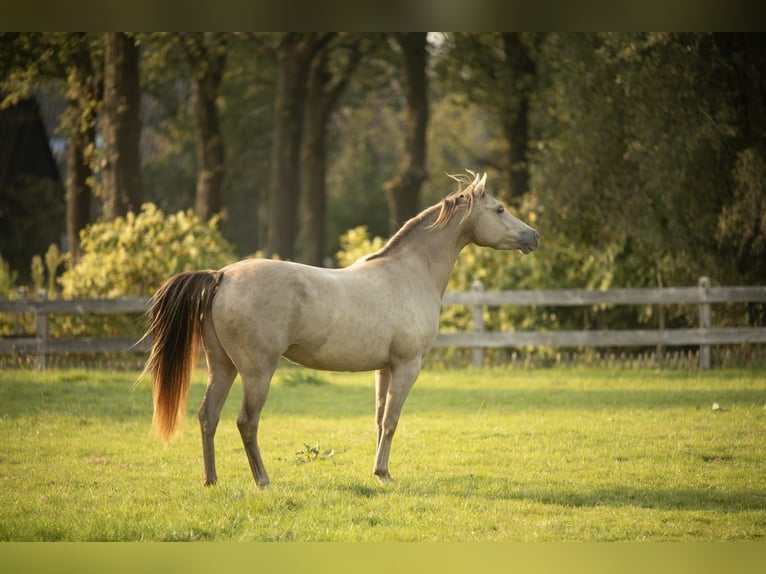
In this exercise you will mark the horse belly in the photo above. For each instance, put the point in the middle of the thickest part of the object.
(364, 343)
(338, 357)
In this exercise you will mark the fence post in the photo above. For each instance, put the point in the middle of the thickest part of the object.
(478, 324)
(705, 320)
(42, 333)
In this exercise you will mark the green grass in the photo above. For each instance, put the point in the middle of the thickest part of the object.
(479, 455)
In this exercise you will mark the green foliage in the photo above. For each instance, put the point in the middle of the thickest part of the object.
(641, 141)
(357, 243)
(646, 156)
(8, 279)
(10, 324)
(38, 272)
(359, 165)
(53, 259)
(313, 453)
(132, 256)
(742, 223)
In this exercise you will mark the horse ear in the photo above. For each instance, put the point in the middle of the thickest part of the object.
(478, 190)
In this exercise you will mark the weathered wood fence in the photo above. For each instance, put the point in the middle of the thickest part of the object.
(479, 339)
(703, 295)
(43, 344)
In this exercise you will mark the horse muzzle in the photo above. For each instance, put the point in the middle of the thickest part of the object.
(530, 241)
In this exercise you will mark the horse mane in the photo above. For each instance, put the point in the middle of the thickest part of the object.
(447, 208)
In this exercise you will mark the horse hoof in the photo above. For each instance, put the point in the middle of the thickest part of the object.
(211, 482)
(263, 485)
(384, 478)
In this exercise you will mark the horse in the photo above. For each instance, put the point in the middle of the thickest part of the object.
(379, 314)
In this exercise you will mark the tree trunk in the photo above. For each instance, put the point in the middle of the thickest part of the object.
(323, 92)
(521, 70)
(206, 53)
(294, 58)
(403, 191)
(78, 192)
(121, 127)
(83, 91)
(313, 187)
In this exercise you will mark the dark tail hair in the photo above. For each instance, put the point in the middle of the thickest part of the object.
(177, 311)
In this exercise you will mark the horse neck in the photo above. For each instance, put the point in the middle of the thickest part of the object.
(432, 252)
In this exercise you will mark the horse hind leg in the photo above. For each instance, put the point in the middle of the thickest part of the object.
(255, 383)
(221, 374)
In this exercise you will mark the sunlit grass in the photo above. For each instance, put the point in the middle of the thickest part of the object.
(479, 455)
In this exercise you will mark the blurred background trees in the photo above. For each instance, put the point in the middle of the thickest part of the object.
(639, 157)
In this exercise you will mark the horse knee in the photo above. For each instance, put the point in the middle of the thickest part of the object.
(388, 429)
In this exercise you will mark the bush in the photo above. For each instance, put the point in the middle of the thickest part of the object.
(133, 255)
(8, 279)
(356, 243)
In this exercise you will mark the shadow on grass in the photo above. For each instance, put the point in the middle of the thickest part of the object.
(362, 490)
(664, 499)
(679, 498)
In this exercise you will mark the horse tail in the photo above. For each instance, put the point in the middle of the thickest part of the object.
(177, 312)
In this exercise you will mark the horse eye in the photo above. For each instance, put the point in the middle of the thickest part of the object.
(500, 209)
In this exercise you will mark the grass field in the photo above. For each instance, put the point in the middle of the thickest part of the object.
(546, 454)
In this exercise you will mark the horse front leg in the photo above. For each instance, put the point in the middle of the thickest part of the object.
(402, 377)
(382, 381)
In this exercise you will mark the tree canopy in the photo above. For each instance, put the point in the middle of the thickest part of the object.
(640, 157)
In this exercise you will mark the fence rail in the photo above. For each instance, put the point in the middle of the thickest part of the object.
(703, 295)
(479, 339)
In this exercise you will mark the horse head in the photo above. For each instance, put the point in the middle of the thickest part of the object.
(492, 225)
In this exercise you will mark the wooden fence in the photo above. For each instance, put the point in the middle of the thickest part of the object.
(703, 295)
(43, 344)
(479, 339)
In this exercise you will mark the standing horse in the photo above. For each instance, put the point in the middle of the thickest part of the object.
(381, 314)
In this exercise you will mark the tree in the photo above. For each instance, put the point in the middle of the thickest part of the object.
(497, 72)
(520, 71)
(206, 54)
(74, 60)
(83, 91)
(650, 151)
(403, 191)
(327, 80)
(294, 54)
(121, 126)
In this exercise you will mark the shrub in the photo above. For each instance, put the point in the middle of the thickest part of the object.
(356, 243)
(133, 255)
(8, 279)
